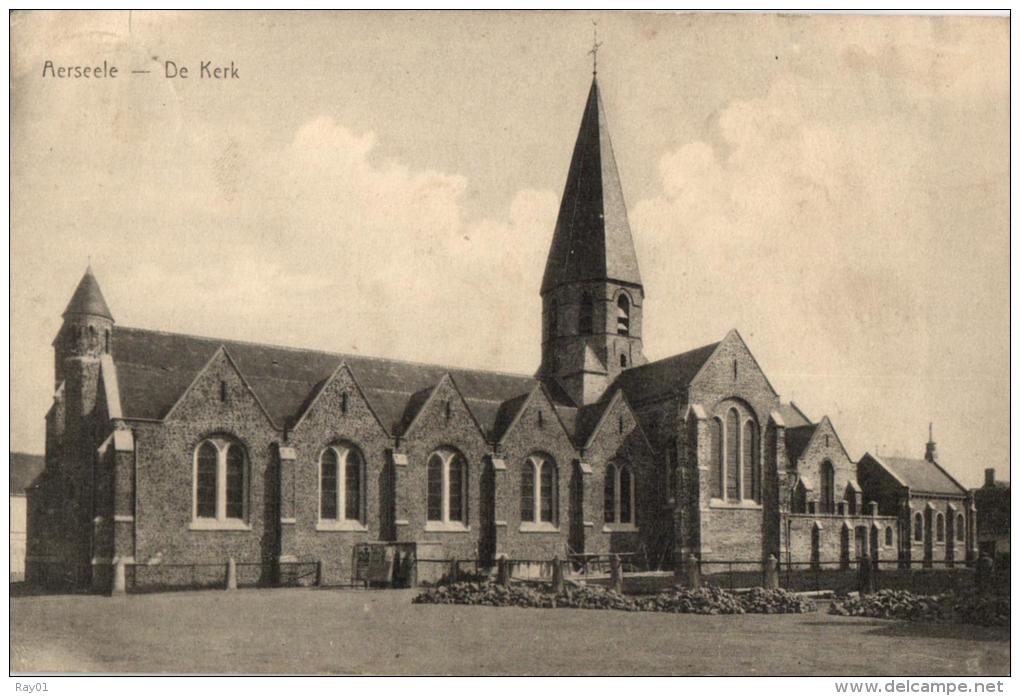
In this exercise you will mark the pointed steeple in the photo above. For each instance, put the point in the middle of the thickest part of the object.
(592, 241)
(88, 298)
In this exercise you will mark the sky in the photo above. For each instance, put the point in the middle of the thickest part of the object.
(835, 188)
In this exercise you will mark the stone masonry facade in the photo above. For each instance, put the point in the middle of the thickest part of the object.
(170, 450)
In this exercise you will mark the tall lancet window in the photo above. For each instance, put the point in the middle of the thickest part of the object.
(586, 315)
(623, 315)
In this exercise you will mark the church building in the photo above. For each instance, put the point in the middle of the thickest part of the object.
(165, 448)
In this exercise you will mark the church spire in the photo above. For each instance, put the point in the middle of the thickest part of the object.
(592, 240)
(592, 295)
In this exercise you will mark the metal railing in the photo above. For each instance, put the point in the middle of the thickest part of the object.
(164, 577)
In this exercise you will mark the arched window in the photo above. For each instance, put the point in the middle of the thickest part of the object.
(235, 482)
(626, 496)
(586, 315)
(623, 315)
(623, 360)
(960, 531)
(918, 527)
(447, 487)
(108, 343)
(672, 471)
(940, 527)
(329, 485)
(205, 481)
(717, 458)
(221, 482)
(618, 494)
(799, 502)
(888, 536)
(731, 434)
(850, 496)
(539, 490)
(828, 488)
(749, 448)
(341, 484)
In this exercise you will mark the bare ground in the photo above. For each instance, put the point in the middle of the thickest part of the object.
(294, 631)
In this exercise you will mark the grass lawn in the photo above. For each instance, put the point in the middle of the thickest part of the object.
(381, 632)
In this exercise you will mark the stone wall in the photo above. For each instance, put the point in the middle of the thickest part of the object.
(833, 539)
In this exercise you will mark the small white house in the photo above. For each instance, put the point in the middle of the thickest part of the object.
(24, 469)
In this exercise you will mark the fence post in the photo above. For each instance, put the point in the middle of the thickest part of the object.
(693, 568)
(231, 574)
(983, 573)
(502, 572)
(557, 575)
(119, 577)
(615, 573)
(771, 573)
(318, 573)
(866, 579)
(412, 568)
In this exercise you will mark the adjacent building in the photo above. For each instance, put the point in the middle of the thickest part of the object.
(935, 515)
(24, 469)
(992, 500)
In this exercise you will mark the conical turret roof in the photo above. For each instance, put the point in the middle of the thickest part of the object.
(592, 240)
(88, 298)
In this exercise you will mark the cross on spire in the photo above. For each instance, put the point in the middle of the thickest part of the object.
(595, 45)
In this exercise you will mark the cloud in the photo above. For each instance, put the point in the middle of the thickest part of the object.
(773, 219)
(324, 242)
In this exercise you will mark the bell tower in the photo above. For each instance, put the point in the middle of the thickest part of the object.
(592, 295)
(87, 331)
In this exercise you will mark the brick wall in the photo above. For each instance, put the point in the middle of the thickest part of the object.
(835, 531)
(620, 440)
(325, 424)
(825, 446)
(165, 474)
(929, 548)
(433, 430)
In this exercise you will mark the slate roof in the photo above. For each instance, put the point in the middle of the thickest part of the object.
(592, 239)
(922, 476)
(24, 470)
(88, 298)
(663, 377)
(155, 368)
(792, 416)
(797, 440)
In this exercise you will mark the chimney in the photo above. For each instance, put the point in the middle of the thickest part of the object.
(989, 478)
(931, 453)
